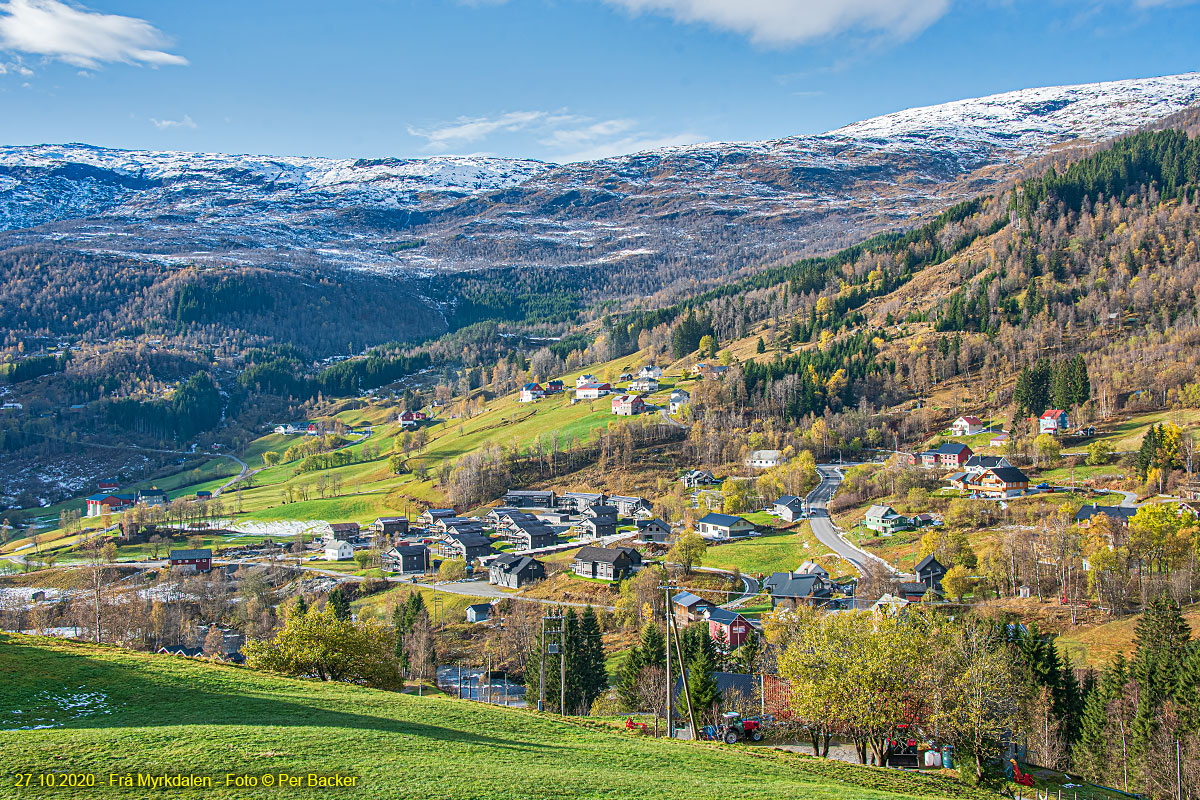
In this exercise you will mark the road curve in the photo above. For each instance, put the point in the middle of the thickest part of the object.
(823, 527)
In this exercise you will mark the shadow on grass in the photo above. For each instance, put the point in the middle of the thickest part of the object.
(166, 691)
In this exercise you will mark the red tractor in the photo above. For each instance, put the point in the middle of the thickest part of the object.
(734, 729)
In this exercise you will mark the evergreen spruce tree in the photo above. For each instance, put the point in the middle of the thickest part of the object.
(627, 680)
(653, 647)
(706, 697)
(1161, 647)
(1064, 397)
(1186, 693)
(301, 606)
(1023, 392)
(575, 662)
(341, 606)
(594, 677)
(1091, 753)
(1147, 456)
(1081, 384)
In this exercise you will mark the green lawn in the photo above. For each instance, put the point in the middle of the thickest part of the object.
(775, 551)
(114, 711)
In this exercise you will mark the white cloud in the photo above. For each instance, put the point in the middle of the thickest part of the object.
(466, 130)
(630, 144)
(788, 22)
(566, 136)
(80, 36)
(167, 124)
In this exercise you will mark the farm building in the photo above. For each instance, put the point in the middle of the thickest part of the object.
(191, 560)
(764, 459)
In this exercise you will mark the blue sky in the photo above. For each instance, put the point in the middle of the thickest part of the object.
(551, 79)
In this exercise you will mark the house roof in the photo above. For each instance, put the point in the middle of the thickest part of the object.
(723, 616)
(985, 462)
(1116, 512)
(477, 607)
(337, 544)
(514, 564)
(970, 419)
(390, 520)
(533, 387)
(951, 449)
(1009, 474)
(799, 586)
(763, 455)
(688, 600)
(722, 520)
(811, 568)
(1053, 413)
(469, 539)
(790, 500)
(177, 555)
(605, 554)
(929, 562)
(642, 524)
(880, 512)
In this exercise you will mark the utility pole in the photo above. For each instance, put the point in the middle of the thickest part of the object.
(670, 686)
(687, 695)
(542, 668)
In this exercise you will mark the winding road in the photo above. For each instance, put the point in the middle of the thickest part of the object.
(823, 527)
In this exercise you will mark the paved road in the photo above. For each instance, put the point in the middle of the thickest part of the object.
(823, 527)
(665, 412)
(1130, 498)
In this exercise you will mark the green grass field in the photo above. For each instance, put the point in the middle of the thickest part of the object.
(117, 712)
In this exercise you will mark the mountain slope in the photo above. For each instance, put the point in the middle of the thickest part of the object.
(682, 212)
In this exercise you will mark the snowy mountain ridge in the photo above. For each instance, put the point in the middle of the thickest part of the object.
(727, 204)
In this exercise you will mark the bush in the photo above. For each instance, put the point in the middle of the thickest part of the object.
(452, 569)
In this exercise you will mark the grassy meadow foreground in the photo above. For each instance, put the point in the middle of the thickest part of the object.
(114, 711)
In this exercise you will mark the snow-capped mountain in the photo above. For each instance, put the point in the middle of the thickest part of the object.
(726, 204)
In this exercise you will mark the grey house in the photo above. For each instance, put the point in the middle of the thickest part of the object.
(606, 563)
(514, 571)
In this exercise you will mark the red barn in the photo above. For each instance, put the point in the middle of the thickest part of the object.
(191, 560)
(732, 626)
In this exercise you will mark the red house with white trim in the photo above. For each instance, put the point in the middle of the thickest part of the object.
(730, 625)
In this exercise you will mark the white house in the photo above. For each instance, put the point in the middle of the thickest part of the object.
(764, 459)
(337, 550)
(1053, 421)
(531, 392)
(592, 391)
(967, 426)
(645, 385)
(723, 526)
(650, 371)
(679, 399)
(584, 380)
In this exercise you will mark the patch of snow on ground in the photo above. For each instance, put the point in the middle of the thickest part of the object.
(55, 710)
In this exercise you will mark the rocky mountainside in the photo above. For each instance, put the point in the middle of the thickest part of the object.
(675, 214)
